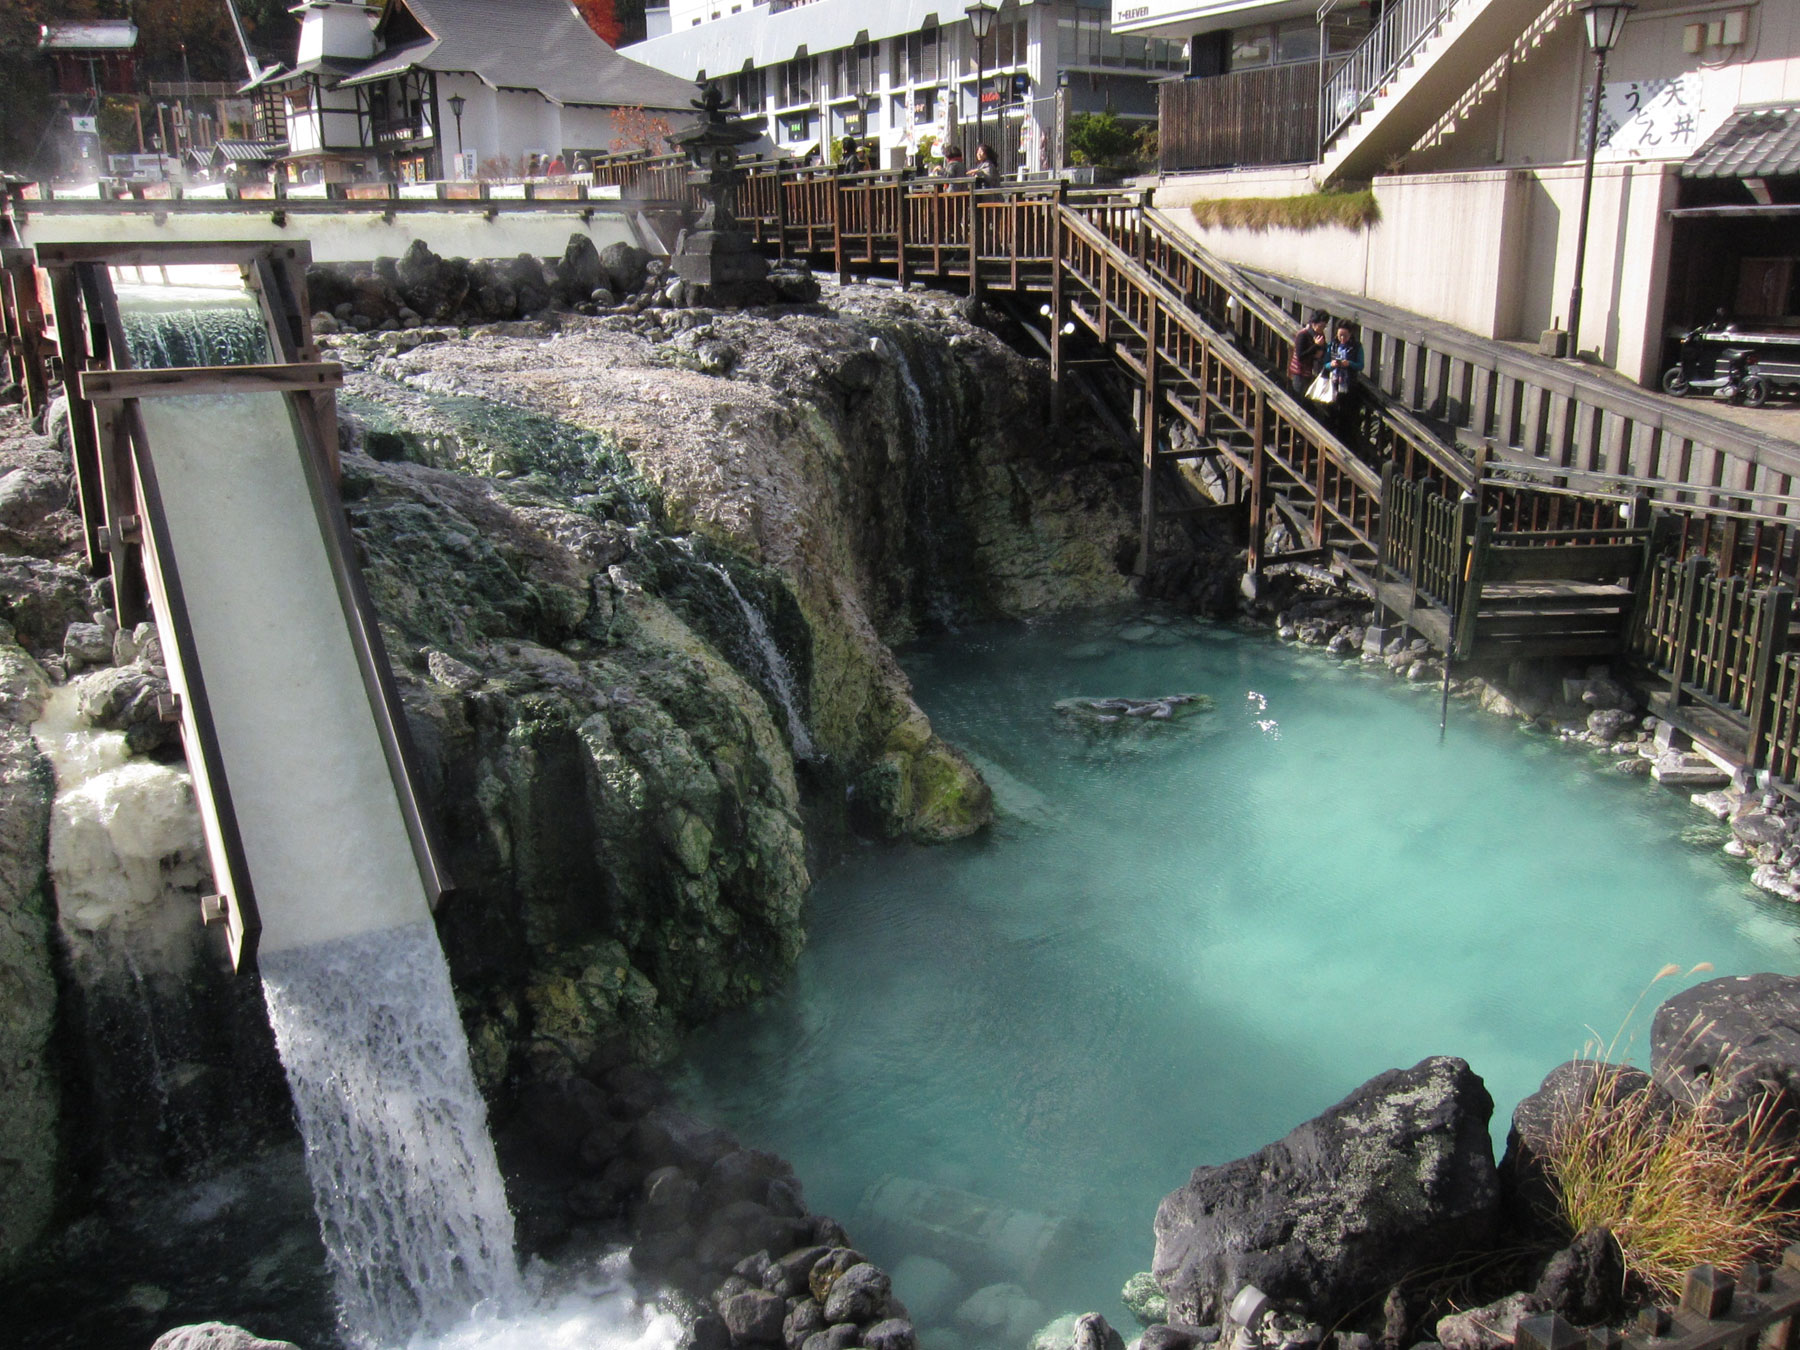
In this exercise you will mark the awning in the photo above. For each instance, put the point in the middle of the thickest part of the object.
(1762, 141)
(1735, 211)
(250, 152)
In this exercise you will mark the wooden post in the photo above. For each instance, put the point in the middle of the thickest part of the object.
(1462, 557)
(1259, 472)
(90, 484)
(902, 201)
(1771, 641)
(1693, 574)
(837, 228)
(1462, 638)
(1147, 506)
(781, 217)
(974, 241)
(1058, 309)
(1381, 539)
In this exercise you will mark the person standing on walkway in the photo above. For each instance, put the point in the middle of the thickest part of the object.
(1343, 363)
(987, 169)
(1308, 354)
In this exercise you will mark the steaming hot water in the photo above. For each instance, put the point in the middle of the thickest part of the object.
(1183, 939)
(1179, 942)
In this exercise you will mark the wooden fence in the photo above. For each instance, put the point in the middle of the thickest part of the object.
(1720, 642)
(1759, 1305)
(1267, 116)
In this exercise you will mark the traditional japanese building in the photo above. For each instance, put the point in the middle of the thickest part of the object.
(423, 89)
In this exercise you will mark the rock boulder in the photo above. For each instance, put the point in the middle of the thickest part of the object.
(1398, 1175)
(1743, 1030)
(1530, 1201)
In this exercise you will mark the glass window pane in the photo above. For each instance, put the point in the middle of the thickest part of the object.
(1251, 47)
(1297, 41)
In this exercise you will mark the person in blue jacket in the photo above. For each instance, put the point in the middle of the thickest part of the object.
(1343, 363)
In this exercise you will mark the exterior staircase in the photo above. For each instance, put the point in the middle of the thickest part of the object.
(1421, 57)
(1477, 93)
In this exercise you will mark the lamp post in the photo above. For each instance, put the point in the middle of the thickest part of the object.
(981, 21)
(1605, 21)
(457, 104)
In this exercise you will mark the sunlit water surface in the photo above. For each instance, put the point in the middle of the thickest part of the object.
(1182, 940)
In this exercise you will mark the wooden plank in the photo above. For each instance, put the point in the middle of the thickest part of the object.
(102, 385)
(1571, 562)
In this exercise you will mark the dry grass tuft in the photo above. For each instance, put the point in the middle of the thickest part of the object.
(1677, 1186)
(1315, 211)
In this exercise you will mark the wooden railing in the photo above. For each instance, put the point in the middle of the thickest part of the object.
(1757, 1305)
(1720, 641)
(645, 178)
(1559, 423)
(1781, 741)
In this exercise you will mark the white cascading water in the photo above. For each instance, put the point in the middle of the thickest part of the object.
(126, 850)
(407, 1189)
(411, 1205)
(781, 674)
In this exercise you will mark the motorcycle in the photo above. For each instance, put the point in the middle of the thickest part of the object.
(1737, 362)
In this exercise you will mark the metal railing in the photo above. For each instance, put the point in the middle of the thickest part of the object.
(1401, 31)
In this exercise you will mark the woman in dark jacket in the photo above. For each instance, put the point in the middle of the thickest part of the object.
(1343, 363)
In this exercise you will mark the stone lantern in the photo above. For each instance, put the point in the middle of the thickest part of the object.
(716, 259)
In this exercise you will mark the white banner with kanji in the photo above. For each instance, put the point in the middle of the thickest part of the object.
(1653, 119)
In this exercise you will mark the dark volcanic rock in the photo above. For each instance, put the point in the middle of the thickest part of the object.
(124, 698)
(624, 266)
(579, 272)
(432, 286)
(1585, 1281)
(1530, 1200)
(1742, 1031)
(754, 1316)
(1398, 1175)
(666, 1137)
(860, 1294)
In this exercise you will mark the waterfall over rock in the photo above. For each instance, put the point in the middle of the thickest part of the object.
(404, 1177)
(223, 335)
(775, 666)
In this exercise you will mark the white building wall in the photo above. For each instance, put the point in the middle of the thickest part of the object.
(1503, 271)
(328, 28)
(1537, 114)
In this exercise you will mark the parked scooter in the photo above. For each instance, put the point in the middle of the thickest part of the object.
(1741, 383)
(1737, 361)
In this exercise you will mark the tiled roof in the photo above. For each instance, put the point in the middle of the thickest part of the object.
(1762, 141)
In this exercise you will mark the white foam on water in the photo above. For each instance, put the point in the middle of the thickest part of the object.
(592, 1310)
(125, 841)
(407, 1189)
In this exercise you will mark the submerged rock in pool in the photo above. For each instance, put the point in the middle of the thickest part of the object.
(1105, 712)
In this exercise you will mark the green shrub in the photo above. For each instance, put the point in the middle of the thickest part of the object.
(1106, 141)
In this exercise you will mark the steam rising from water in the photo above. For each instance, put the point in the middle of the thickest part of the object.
(404, 1178)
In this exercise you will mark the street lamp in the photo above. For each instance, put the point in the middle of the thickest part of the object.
(981, 20)
(865, 104)
(457, 104)
(1605, 21)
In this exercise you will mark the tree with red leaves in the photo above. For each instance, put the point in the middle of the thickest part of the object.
(600, 17)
